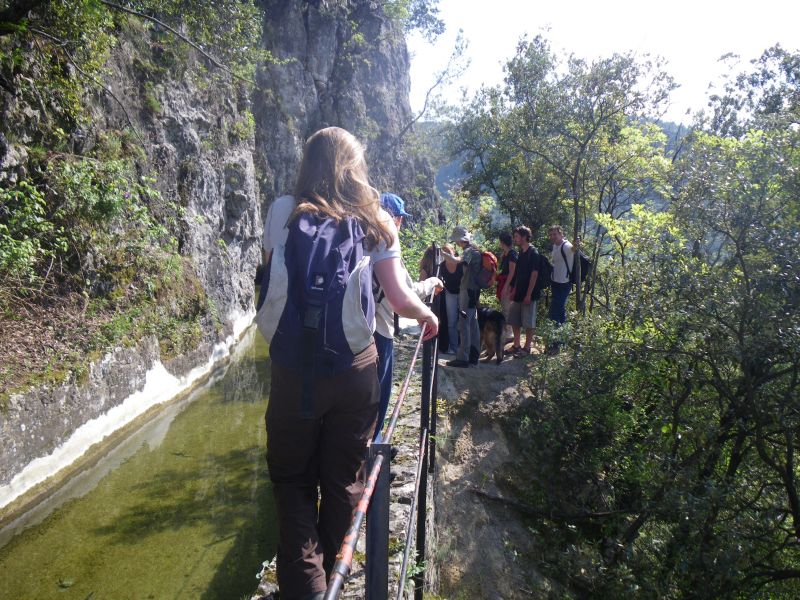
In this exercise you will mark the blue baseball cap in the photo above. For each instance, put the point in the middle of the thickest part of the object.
(394, 205)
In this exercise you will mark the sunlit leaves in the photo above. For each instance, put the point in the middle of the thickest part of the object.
(678, 402)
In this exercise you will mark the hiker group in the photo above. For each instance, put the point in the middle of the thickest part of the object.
(520, 277)
(332, 283)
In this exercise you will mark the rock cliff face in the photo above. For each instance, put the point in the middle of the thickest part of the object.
(344, 65)
(203, 167)
(347, 67)
(197, 165)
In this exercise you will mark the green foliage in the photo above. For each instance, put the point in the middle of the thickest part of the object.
(421, 15)
(88, 235)
(22, 226)
(52, 57)
(662, 442)
(80, 212)
(243, 129)
(415, 240)
(229, 29)
(764, 97)
(151, 102)
(58, 54)
(83, 227)
(171, 307)
(417, 236)
(565, 140)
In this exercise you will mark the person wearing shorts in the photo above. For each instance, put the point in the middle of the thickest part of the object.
(522, 312)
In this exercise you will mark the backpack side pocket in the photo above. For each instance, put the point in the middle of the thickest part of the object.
(358, 321)
(271, 309)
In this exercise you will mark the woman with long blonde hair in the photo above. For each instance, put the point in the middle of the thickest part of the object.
(321, 458)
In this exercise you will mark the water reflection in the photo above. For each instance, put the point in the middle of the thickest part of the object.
(181, 509)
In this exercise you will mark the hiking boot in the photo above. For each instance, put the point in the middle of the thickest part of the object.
(457, 363)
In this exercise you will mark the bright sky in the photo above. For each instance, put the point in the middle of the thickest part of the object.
(690, 34)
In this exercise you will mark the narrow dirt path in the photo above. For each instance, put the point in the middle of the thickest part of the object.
(483, 544)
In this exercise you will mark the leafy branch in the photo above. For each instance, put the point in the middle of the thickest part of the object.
(176, 33)
(62, 44)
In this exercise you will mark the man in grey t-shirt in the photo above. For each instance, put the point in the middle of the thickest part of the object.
(469, 347)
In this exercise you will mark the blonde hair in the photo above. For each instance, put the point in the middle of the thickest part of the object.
(333, 182)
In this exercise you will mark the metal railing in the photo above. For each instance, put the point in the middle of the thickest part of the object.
(375, 500)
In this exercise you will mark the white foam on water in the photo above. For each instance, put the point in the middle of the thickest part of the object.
(160, 386)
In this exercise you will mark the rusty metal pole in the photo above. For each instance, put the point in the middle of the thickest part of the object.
(377, 567)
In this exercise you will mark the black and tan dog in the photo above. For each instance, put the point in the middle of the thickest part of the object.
(492, 324)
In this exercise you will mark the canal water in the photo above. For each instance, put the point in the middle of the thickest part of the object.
(181, 509)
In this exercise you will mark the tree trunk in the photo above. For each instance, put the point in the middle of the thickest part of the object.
(580, 301)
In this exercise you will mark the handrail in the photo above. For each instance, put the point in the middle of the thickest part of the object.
(378, 479)
(407, 550)
(344, 560)
(387, 436)
(401, 397)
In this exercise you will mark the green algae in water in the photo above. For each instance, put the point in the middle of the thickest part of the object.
(187, 514)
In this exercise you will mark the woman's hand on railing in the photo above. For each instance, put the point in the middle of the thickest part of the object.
(431, 326)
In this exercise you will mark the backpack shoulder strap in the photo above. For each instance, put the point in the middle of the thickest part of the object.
(566, 263)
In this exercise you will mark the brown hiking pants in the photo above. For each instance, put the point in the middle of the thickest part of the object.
(328, 453)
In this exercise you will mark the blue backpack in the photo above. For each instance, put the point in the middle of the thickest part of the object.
(315, 306)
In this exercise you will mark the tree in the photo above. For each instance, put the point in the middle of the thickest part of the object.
(526, 190)
(562, 116)
(668, 434)
(631, 169)
(575, 131)
(766, 96)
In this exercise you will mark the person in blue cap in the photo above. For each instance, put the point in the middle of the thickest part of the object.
(384, 315)
(394, 205)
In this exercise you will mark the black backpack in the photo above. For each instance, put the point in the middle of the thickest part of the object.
(544, 278)
(586, 266)
(316, 307)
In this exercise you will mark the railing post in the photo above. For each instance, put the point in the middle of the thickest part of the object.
(434, 408)
(435, 306)
(424, 425)
(377, 567)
